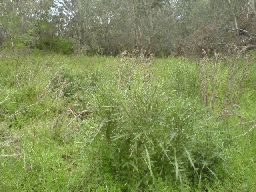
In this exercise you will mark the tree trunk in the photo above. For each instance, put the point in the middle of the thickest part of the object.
(234, 15)
(251, 4)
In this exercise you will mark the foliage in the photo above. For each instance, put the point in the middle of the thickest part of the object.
(162, 27)
(55, 45)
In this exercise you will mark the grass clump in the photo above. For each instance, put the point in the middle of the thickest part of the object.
(147, 135)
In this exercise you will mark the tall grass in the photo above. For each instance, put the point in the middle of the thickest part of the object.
(110, 124)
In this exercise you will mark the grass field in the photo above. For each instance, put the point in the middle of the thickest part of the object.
(76, 123)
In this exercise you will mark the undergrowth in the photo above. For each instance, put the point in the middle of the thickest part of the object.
(125, 124)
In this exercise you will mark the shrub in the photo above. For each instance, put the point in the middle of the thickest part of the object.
(55, 44)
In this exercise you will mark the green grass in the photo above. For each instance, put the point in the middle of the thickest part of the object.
(76, 123)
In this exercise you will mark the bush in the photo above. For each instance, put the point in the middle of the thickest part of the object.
(55, 44)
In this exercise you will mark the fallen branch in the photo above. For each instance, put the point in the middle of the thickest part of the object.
(248, 48)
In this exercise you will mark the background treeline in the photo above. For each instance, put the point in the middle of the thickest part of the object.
(162, 27)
